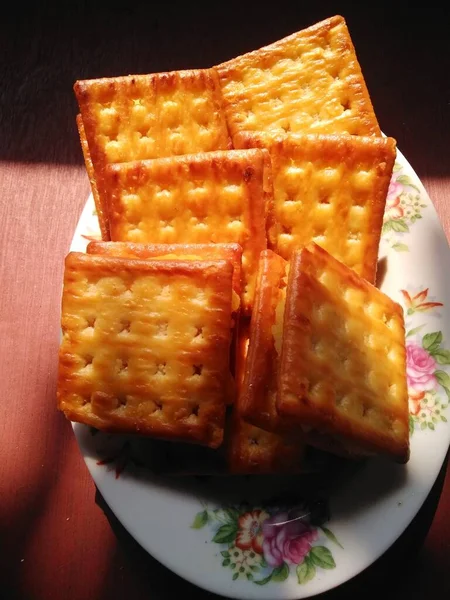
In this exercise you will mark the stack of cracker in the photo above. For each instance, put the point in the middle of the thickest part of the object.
(231, 303)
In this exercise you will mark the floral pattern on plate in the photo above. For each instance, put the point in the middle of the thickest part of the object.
(404, 205)
(426, 364)
(270, 543)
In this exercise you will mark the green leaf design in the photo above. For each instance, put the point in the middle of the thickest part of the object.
(431, 339)
(265, 580)
(235, 576)
(306, 570)
(249, 576)
(386, 227)
(200, 520)
(399, 226)
(281, 573)
(226, 562)
(400, 247)
(405, 180)
(414, 330)
(431, 426)
(443, 379)
(263, 563)
(423, 425)
(411, 425)
(397, 167)
(330, 535)
(232, 513)
(443, 419)
(441, 356)
(322, 557)
(225, 553)
(225, 534)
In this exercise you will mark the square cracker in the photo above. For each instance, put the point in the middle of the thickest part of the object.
(310, 81)
(214, 197)
(330, 190)
(343, 360)
(102, 217)
(230, 252)
(146, 345)
(253, 450)
(149, 116)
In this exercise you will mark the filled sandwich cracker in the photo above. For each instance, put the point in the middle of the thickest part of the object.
(101, 215)
(149, 116)
(250, 449)
(310, 81)
(331, 190)
(343, 361)
(146, 346)
(213, 197)
(230, 252)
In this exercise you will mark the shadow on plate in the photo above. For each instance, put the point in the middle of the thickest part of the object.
(198, 471)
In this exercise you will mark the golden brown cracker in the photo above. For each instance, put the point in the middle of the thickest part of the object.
(253, 450)
(310, 81)
(331, 190)
(102, 217)
(343, 360)
(149, 116)
(146, 345)
(212, 197)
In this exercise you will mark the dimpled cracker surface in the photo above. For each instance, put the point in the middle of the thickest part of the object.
(212, 197)
(343, 361)
(146, 345)
(149, 116)
(230, 252)
(251, 449)
(310, 81)
(330, 190)
(102, 217)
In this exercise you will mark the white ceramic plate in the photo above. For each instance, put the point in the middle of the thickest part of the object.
(212, 532)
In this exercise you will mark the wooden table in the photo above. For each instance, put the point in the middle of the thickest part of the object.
(58, 539)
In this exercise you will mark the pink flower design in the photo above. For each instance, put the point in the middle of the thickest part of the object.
(286, 541)
(420, 368)
(393, 208)
(250, 535)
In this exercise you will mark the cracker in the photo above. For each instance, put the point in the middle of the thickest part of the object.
(343, 360)
(330, 190)
(230, 252)
(251, 449)
(257, 399)
(102, 217)
(310, 81)
(212, 197)
(146, 345)
(149, 116)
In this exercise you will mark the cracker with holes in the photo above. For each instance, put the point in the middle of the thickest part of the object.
(150, 116)
(252, 449)
(330, 190)
(343, 360)
(310, 81)
(230, 252)
(214, 197)
(146, 345)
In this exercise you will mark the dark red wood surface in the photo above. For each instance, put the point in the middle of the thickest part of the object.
(57, 537)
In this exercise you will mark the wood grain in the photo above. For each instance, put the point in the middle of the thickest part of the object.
(57, 538)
